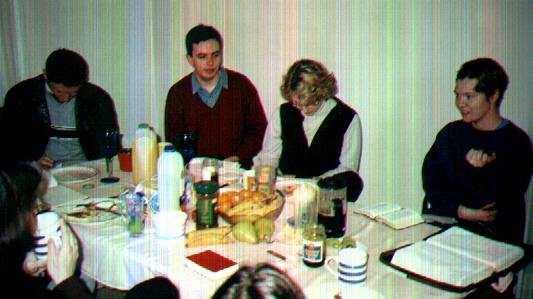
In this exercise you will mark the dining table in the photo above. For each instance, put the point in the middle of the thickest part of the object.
(117, 260)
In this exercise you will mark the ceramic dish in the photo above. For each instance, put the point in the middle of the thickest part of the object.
(74, 174)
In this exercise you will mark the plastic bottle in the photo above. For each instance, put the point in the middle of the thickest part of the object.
(170, 183)
(144, 152)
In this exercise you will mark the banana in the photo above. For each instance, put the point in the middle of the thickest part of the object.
(210, 236)
(244, 208)
(210, 240)
(209, 232)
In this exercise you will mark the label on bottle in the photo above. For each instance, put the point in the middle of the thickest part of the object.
(205, 213)
(313, 251)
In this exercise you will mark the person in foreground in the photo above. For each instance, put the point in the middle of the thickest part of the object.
(219, 106)
(315, 134)
(261, 281)
(22, 272)
(26, 276)
(479, 168)
(58, 115)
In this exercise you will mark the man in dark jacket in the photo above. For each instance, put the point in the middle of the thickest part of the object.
(57, 116)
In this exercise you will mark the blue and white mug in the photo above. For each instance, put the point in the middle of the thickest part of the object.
(352, 266)
(48, 227)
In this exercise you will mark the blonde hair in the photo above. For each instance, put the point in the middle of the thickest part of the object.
(309, 81)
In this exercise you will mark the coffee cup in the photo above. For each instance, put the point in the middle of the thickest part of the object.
(170, 224)
(48, 227)
(352, 266)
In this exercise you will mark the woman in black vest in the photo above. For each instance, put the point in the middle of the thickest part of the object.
(315, 134)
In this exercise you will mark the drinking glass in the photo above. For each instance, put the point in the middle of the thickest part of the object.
(110, 146)
(185, 144)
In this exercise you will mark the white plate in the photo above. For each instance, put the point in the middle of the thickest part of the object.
(92, 210)
(74, 174)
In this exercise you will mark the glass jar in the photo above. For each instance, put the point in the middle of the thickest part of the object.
(206, 194)
(314, 245)
(210, 168)
(265, 179)
(333, 207)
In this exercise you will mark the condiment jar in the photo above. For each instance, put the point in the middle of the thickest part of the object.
(206, 194)
(314, 245)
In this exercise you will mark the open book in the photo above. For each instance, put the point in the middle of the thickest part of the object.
(392, 215)
(457, 257)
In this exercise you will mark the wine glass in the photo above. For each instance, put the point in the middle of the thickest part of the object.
(110, 146)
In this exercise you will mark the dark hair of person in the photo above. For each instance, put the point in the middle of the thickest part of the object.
(66, 67)
(260, 282)
(16, 233)
(491, 76)
(310, 81)
(201, 33)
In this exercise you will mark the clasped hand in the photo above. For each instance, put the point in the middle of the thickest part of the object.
(478, 158)
(486, 214)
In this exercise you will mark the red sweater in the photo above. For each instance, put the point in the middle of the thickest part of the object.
(234, 126)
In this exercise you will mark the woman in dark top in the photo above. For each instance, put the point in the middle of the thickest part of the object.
(25, 276)
(20, 269)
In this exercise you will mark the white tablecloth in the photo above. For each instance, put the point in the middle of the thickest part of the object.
(113, 258)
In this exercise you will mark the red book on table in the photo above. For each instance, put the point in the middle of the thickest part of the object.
(211, 264)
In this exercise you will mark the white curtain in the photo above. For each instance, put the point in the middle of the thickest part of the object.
(395, 61)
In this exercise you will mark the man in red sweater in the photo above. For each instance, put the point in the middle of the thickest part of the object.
(220, 107)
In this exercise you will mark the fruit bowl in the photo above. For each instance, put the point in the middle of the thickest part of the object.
(268, 208)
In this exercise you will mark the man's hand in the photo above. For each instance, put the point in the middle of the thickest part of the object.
(232, 159)
(486, 214)
(478, 158)
(33, 266)
(62, 261)
(46, 162)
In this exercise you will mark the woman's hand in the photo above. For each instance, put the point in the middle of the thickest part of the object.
(486, 214)
(62, 261)
(33, 266)
(478, 158)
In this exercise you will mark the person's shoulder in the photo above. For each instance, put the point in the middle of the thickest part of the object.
(239, 78)
(182, 84)
(514, 130)
(28, 85)
(93, 91)
(454, 128)
(457, 125)
(345, 107)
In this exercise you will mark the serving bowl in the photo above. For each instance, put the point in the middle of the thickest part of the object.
(272, 209)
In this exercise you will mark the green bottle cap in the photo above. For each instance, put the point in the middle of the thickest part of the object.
(205, 187)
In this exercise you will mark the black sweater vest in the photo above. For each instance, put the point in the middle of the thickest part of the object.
(297, 158)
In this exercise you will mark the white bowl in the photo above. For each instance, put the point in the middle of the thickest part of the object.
(170, 224)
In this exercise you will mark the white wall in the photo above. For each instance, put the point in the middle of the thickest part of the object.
(395, 60)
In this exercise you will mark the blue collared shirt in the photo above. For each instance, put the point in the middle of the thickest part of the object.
(210, 99)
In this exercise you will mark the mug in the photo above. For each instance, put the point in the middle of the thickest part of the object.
(352, 266)
(48, 227)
